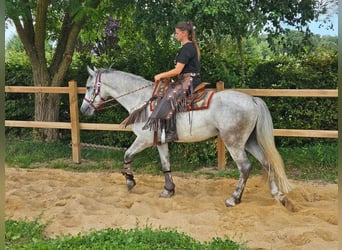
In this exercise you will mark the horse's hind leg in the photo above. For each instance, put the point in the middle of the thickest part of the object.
(136, 147)
(169, 187)
(253, 147)
(240, 157)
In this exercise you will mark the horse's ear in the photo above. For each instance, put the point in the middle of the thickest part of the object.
(90, 71)
(95, 69)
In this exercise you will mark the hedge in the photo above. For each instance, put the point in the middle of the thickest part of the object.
(313, 71)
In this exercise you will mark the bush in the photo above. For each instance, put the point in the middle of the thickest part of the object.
(313, 71)
(18, 106)
(316, 70)
(30, 235)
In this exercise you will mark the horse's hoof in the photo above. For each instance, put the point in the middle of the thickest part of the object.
(283, 201)
(281, 198)
(130, 184)
(231, 202)
(167, 193)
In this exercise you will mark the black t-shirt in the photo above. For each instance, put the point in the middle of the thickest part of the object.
(188, 56)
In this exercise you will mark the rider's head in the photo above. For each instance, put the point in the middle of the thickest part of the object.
(186, 31)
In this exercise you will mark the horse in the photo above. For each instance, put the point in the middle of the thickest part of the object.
(242, 121)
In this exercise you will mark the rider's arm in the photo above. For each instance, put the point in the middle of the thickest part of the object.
(173, 72)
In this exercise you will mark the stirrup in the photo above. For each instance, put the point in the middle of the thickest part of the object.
(171, 137)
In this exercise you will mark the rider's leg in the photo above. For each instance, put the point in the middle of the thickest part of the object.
(171, 130)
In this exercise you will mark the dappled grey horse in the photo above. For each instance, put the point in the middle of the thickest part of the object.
(242, 121)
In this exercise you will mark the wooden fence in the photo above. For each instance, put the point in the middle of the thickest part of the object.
(75, 126)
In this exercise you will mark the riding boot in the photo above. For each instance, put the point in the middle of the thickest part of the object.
(171, 134)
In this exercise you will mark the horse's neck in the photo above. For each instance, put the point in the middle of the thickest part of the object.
(135, 99)
(131, 94)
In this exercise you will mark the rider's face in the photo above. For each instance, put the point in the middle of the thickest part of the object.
(180, 35)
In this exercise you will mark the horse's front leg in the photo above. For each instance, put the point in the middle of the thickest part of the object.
(128, 173)
(169, 187)
(137, 146)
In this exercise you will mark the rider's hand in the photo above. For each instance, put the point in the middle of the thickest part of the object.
(157, 77)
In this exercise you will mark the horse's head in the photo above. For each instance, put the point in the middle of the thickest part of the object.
(93, 97)
(105, 85)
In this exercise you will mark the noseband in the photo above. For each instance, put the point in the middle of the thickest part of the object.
(96, 92)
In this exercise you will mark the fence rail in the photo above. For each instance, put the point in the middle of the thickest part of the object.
(255, 92)
(75, 126)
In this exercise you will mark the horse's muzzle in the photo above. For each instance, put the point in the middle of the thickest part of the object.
(87, 108)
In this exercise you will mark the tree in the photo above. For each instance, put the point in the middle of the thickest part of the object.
(14, 44)
(238, 18)
(59, 21)
(109, 41)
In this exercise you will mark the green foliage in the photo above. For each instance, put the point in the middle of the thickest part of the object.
(145, 46)
(14, 44)
(317, 161)
(205, 155)
(223, 17)
(218, 19)
(297, 44)
(316, 70)
(30, 235)
(218, 61)
(24, 153)
(114, 115)
(18, 106)
(313, 71)
(22, 233)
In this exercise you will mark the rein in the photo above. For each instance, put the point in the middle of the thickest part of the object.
(96, 92)
(133, 91)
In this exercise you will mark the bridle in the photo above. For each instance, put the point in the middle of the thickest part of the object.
(96, 92)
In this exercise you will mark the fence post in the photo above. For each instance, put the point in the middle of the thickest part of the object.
(221, 150)
(75, 122)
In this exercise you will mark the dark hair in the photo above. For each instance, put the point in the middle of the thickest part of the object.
(189, 27)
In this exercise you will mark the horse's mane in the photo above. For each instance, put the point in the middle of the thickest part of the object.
(111, 70)
(139, 114)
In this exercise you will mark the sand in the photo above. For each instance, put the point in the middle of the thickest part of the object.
(81, 202)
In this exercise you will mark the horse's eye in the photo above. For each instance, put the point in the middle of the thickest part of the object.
(87, 88)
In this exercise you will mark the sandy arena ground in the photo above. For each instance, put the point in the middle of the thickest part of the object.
(80, 202)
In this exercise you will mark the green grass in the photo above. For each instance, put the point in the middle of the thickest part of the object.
(25, 153)
(318, 161)
(20, 233)
(30, 235)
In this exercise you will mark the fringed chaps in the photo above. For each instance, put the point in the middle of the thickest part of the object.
(174, 101)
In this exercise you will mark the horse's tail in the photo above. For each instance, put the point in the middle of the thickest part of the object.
(265, 138)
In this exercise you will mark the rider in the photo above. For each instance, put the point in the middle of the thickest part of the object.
(187, 70)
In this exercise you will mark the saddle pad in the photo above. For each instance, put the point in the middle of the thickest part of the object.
(202, 101)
